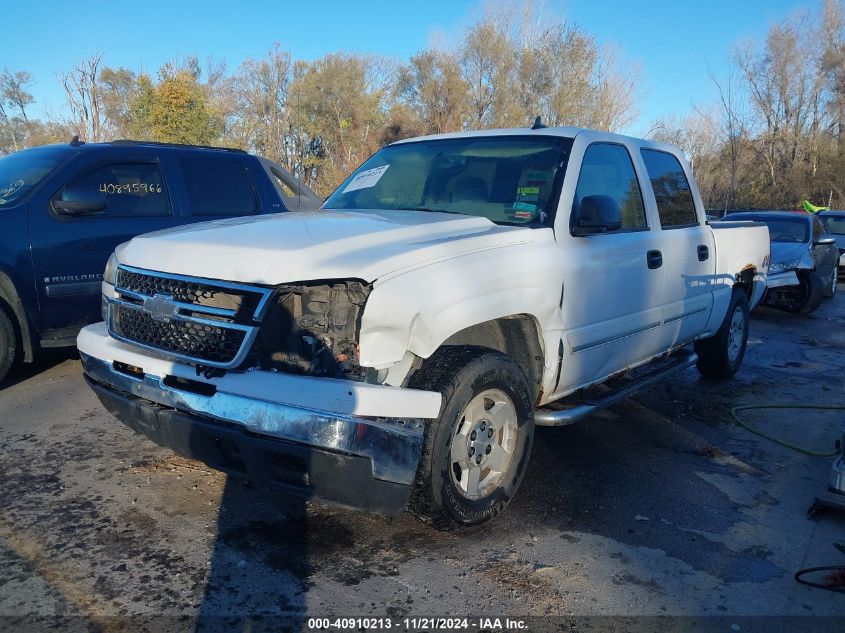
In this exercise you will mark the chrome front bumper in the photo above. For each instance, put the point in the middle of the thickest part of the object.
(392, 446)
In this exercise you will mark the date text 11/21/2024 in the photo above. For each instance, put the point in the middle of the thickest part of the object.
(418, 623)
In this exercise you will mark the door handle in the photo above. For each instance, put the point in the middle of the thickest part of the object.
(654, 259)
(703, 253)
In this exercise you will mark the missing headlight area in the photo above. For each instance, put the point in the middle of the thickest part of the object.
(312, 329)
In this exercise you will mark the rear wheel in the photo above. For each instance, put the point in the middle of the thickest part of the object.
(475, 454)
(720, 356)
(9, 346)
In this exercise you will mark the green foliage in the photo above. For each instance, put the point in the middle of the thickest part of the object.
(175, 110)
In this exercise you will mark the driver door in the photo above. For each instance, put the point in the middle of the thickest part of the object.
(613, 281)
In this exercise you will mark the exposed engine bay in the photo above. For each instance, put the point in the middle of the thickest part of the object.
(312, 329)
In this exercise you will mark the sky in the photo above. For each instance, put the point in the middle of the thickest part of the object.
(673, 44)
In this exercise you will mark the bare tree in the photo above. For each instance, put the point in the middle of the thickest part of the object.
(84, 95)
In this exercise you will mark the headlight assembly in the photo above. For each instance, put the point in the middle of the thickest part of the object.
(110, 274)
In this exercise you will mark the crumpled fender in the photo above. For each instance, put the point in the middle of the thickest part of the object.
(418, 310)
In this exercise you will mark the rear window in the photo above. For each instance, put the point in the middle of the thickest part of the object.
(787, 229)
(675, 205)
(218, 187)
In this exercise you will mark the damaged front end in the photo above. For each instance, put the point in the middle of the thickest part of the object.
(257, 381)
(312, 329)
(305, 328)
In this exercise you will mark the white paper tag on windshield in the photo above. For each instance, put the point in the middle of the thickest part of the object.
(366, 179)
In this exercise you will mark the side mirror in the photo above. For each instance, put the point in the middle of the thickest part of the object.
(825, 241)
(597, 214)
(77, 201)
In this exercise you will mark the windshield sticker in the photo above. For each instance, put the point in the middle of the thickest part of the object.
(366, 179)
(528, 194)
(10, 190)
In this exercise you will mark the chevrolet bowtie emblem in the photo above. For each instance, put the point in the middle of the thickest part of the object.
(160, 307)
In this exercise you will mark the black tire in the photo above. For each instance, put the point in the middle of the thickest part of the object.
(832, 284)
(717, 357)
(461, 374)
(9, 344)
(812, 293)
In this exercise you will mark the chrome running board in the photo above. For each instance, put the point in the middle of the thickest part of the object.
(578, 410)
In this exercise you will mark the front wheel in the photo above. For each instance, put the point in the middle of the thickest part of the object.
(832, 283)
(9, 350)
(720, 356)
(476, 452)
(808, 295)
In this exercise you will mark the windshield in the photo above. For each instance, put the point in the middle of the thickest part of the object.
(21, 171)
(507, 179)
(835, 224)
(787, 229)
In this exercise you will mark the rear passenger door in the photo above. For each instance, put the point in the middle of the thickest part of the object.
(217, 187)
(69, 252)
(688, 253)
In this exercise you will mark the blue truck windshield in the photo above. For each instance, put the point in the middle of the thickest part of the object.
(22, 171)
(507, 179)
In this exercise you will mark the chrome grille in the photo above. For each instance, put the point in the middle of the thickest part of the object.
(186, 291)
(200, 321)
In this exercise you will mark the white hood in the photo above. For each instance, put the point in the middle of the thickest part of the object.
(301, 246)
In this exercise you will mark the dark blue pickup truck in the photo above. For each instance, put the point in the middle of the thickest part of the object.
(64, 209)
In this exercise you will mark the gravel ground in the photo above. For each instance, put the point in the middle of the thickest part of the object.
(658, 506)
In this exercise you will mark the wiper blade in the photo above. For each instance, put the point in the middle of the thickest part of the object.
(429, 210)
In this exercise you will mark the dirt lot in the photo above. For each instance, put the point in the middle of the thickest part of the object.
(658, 506)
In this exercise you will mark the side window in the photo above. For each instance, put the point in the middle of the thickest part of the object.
(131, 189)
(607, 170)
(818, 228)
(218, 187)
(675, 205)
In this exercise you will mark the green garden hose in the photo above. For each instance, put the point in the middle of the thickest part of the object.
(777, 440)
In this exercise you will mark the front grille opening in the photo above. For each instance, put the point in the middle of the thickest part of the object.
(129, 370)
(192, 386)
(289, 469)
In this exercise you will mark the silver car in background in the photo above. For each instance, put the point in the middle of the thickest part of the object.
(804, 260)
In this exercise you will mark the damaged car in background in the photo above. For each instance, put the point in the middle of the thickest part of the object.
(396, 348)
(805, 259)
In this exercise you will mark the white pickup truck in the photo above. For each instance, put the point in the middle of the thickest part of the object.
(396, 348)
